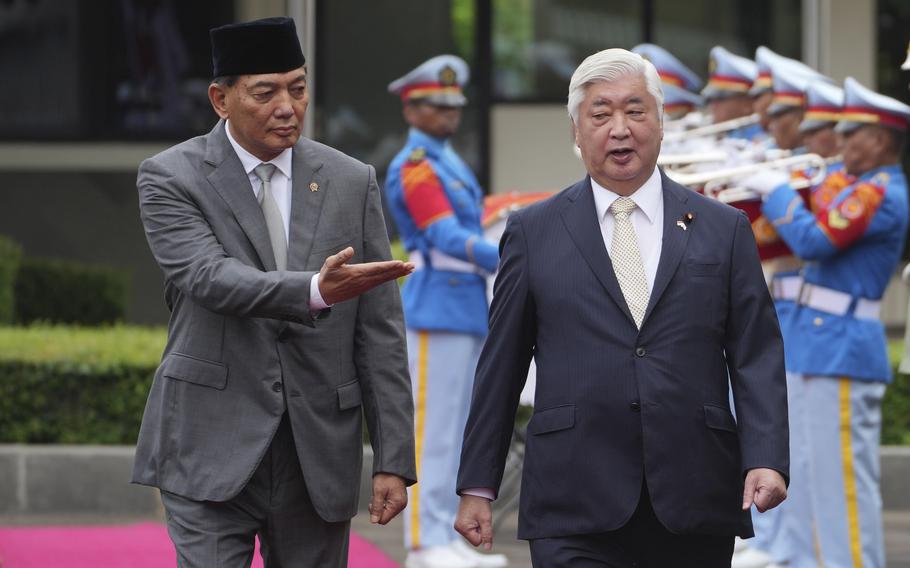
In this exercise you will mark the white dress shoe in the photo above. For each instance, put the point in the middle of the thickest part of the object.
(480, 559)
(750, 558)
(437, 557)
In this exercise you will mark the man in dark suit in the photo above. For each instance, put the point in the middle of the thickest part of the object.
(253, 422)
(637, 298)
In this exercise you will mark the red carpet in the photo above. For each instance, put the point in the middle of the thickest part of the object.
(144, 545)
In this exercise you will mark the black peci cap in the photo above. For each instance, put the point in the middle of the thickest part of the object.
(262, 46)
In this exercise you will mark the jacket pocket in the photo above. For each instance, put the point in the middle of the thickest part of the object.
(552, 419)
(719, 418)
(703, 268)
(194, 370)
(349, 395)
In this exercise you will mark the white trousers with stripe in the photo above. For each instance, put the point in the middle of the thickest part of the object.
(787, 529)
(442, 368)
(841, 427)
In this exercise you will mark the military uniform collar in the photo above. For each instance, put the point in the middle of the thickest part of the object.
(432, 145)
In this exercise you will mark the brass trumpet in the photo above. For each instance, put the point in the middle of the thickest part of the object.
(711, 129)
(731, 194)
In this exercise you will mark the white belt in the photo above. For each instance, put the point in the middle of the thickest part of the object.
(442, 261)
(786, 287)
(838, 303)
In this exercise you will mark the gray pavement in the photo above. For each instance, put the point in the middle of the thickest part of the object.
(388, 538)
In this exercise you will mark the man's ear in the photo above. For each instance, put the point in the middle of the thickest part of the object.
(218, 98)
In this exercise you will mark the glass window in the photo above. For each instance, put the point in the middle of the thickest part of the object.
(386, 39)
(690, 29)
(107, 69)
(537, 44)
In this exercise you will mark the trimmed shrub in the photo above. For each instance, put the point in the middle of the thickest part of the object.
(10, 257)
(63, 291)
(75, 385)
(896, 406)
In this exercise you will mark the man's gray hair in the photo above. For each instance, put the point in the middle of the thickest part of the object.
(610, 65)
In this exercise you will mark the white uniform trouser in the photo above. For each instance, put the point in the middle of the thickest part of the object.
(841, 427)
(442, 368)
(787, 528)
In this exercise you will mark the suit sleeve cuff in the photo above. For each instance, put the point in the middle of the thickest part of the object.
(484, 492)
(316, 302)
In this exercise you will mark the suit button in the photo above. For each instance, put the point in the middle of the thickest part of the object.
(277, 387)
(640, 351)
(635, 407)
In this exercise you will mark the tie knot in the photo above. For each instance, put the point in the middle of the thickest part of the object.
(264, 171)
(622, 206)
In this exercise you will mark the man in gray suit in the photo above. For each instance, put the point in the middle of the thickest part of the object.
(285, 323)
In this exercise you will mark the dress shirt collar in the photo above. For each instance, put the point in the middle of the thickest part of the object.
(434, 146)
(648, 197)
(282, 161)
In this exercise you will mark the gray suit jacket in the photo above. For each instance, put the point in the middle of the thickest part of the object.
(243, 346)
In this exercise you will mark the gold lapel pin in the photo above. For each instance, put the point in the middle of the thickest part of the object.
(681, 225)
(314, 186)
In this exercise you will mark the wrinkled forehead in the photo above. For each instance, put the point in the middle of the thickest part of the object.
(627, 89)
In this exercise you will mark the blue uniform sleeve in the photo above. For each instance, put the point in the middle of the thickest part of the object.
(426, 200)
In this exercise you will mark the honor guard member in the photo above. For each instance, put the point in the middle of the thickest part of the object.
(824, 102)
(437, 204)
(781, 531)
(788, 105)
(727, 93)
(679, 102)
(680, 84)
(762, 90)
(852, 243)
(672, 71)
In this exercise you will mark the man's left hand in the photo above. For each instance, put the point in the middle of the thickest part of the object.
(389, 498)
(765, 488)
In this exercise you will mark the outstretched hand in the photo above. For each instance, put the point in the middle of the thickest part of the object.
(765, 488)
(340, 281)
(475, 521)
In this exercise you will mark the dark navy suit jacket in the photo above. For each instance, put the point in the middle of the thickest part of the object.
(614, 403)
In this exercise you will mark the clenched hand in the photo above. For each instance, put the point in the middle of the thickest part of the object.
(475, 521)
(764, 487)
(389, 498)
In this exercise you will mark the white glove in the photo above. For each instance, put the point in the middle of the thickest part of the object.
(765, 181)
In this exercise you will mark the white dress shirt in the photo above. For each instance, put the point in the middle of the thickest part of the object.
(281, 191)
(648, 222)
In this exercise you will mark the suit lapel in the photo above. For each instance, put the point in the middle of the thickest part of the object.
(674, 239)
(233, 185)
(579, 215)
(307, 197)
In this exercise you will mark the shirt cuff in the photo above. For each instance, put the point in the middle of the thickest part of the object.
(316, 301)
(484, 492)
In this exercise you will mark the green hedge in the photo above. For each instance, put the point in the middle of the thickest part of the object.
(62, 291)
(75, 385)
(10, 257)
(896, 406)
(63, 384)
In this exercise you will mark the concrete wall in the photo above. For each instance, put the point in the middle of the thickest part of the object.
(840, 38)
(94, 480)
(531, 148)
